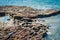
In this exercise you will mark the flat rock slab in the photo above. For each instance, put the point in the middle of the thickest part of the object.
(24, 11)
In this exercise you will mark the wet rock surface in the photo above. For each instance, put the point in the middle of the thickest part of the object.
(25, 31)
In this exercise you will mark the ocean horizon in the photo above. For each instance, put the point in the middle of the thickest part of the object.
(38, 4)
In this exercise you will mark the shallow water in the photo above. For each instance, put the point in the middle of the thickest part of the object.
(54, 29)
(4, 19)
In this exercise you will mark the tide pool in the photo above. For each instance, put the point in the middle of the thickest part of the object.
(4, 19)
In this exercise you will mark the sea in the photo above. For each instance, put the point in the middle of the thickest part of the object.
(54, 21)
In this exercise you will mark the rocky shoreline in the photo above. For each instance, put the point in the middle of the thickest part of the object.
(25, 31)
(24, 23)
(24, 11)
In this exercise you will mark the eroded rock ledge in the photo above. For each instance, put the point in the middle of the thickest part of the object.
(24, 11)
